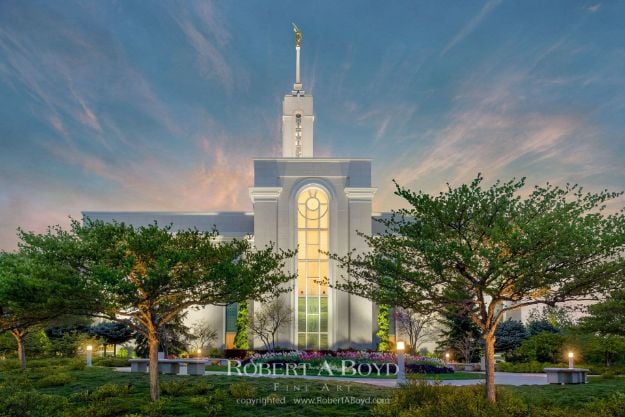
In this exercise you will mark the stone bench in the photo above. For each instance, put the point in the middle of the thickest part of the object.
(171, 366)
(566, 375)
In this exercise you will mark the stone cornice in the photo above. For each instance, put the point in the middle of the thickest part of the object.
(360, 193)
(264, 193)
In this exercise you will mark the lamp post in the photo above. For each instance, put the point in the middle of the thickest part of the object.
(571, 360)
(447, 358)
(199, 353)
(401, 363)
(89, 352)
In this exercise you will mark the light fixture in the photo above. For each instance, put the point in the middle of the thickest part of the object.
(401, 345)
(89, 353)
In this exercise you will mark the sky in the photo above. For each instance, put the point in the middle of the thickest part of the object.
(158, 106)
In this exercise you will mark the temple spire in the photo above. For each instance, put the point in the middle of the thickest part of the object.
(297, 87)
(297, 114)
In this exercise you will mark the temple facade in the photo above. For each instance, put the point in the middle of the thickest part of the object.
(315, 205)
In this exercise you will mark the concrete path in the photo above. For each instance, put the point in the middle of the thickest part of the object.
(501, 378)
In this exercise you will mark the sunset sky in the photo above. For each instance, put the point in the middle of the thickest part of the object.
(124, 105)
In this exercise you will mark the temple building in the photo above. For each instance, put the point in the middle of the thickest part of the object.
(299, 201)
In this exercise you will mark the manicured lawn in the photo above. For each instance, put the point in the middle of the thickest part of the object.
(201, 396)
(449, 377)
(570, 395)
(103, 392)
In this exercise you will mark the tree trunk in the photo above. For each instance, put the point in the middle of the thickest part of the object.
(114, 350)
(489, 359)
(21, 351)
(104, 350)
(154, 387)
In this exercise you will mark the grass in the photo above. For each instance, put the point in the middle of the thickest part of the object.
(449, 377)
(218, 397)
(570, 396)
(102, 392)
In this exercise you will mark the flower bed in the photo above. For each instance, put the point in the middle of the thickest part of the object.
(336, 360)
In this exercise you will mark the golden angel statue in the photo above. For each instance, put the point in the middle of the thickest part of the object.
(298, 35)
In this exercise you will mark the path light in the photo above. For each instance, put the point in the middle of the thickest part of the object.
(571, 355)
(89, 352)
(401, 363)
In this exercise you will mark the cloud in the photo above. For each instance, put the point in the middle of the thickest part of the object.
(471, 25)
(207, 39)
(594, 8)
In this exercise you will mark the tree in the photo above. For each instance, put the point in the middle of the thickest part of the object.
(606, 317)
(113, 333)
(418, 328)
(384, 327)
(551, 318)
(488, 251)
(535, 327)
(148, 276)
(32, 294)
(460, 333)
(241, 338)
(272, 316)
(606, 321)
(509, 335)
(203, 335)
(543, 347)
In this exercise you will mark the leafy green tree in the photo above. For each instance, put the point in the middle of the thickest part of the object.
(549, 318)
(384, 327)
(509, 335)
(241, 338)
(148, 276)
(488, 251)
(543, 347)
(113, 333)
(535, 327)
(606, 317)
(33, 294)
(606, 321)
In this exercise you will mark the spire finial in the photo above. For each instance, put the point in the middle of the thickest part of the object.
(297, 87)
(298, 35)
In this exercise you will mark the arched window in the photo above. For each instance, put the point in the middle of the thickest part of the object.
(312, 266)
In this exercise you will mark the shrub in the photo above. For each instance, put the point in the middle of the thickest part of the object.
(111, 390)
(17, 401)
(111, 362)
(242, 390)
(174, 388)
(421, 399)
(543, 347)
(55, 380)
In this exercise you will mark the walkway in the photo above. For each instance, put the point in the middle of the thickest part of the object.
(501, 378)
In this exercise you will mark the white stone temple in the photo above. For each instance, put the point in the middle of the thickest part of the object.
(314, 204)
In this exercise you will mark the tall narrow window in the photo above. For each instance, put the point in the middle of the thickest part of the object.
(298, 135)
(312, 266)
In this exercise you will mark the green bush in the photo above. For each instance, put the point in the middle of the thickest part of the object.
(527, 367)
(429, 400)
(19, 402)
(242, 390)
(111, 362)
(542, 347)
(174, 388)
(55, 380)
